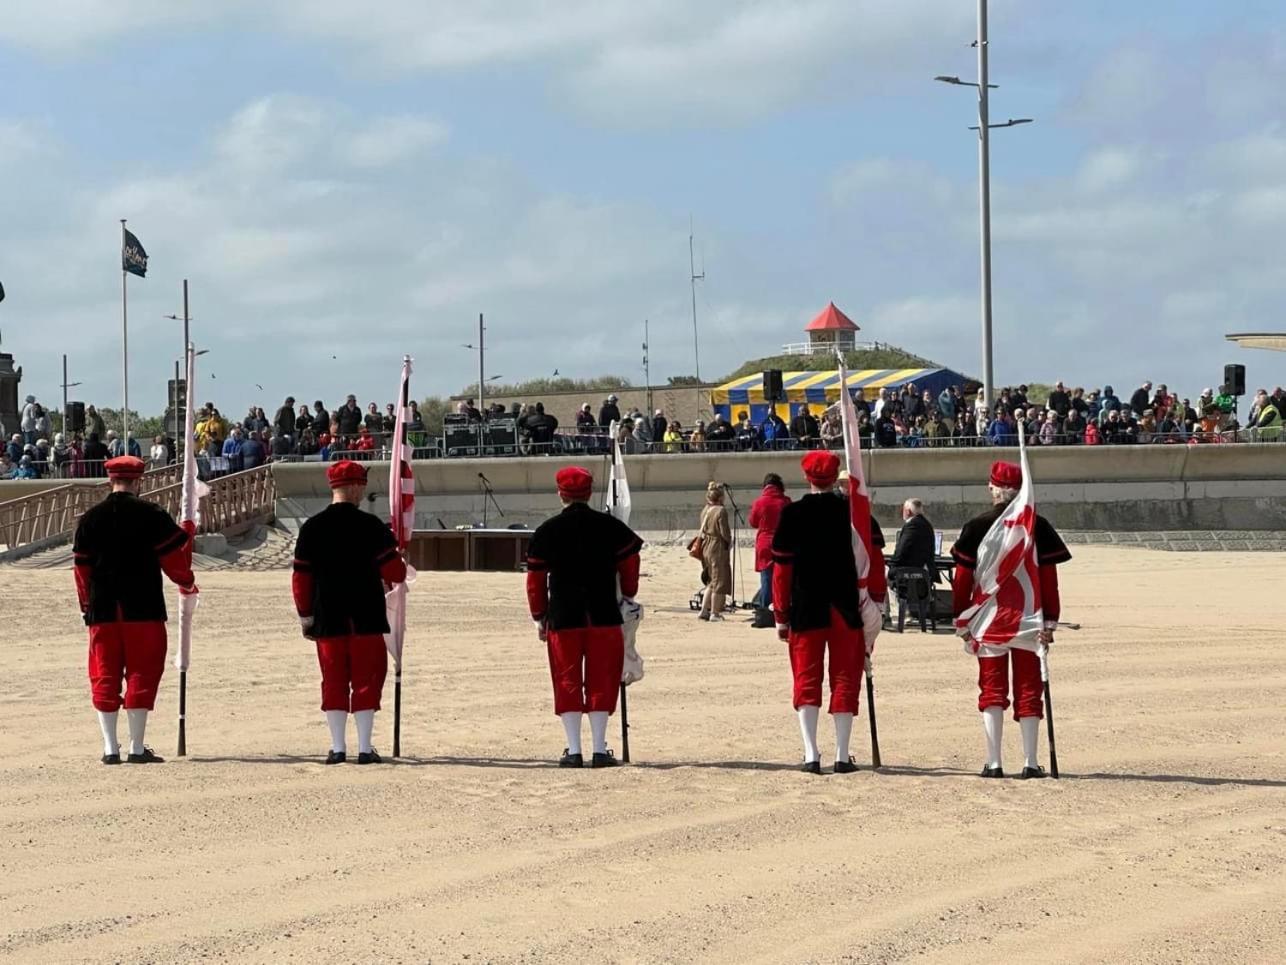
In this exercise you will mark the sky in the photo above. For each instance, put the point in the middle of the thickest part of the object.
(346, 183)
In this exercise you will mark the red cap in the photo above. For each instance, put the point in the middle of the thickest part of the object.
(346, 473)
(1006, 475)
(574, 483)
(125, 467)
(820, 467)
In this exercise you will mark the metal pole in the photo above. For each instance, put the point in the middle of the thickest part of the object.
(187, 343)
(482, 390)
(178, 433)
(696, 341)
(647, 372)
(984, 203)
(124, 345)
(66, 432)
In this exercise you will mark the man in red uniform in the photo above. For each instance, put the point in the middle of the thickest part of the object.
(818, 605)
(344, 561)
(121, 548)
(993, 671)
(573, 563)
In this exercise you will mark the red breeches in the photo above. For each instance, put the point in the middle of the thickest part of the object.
(132, 652)
(808, 650)
(353, 670)
(585, 664)
(993, 683)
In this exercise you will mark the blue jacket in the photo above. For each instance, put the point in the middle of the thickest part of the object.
(1002, 433)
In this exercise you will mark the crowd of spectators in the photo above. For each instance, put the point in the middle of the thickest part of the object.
(892, 418)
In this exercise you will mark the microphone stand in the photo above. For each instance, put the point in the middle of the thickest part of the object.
(736, 546)
(488, 494)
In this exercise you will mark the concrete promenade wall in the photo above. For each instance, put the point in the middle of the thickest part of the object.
(1135, 488)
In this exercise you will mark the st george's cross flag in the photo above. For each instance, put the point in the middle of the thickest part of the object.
(133, 257)
(401, 507)
(859, 497)
(1005, 612)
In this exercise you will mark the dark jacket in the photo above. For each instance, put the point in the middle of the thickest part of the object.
(118, 546)
(608, 414)
(580, 549)
(350, 419)
(915, 546)
(343, 549)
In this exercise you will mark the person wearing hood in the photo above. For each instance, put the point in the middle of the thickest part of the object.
(765, 514)
(609, 412)
(1108, 402)
(643, 433)
(62, 456)
(26, 469)
(94, 424)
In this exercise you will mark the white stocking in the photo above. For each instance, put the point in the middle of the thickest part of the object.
(1031, 738)
(808, 715)
(337, 721)
(843, 733)
(993, 724)
(571, 727)
(598, 730)
(107, 721)
(137, 719)
(365, 720)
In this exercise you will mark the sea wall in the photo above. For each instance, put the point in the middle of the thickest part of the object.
(1128, 488)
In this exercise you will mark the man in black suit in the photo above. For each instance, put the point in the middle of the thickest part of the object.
(916, 544)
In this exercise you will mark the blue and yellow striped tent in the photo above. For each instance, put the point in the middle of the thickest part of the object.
(820, 389)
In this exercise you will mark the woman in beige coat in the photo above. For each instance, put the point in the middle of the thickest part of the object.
(716, 553)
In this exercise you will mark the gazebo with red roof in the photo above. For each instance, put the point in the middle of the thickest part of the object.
(831, 328)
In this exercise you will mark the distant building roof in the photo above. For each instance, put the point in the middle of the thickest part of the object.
(831, 319)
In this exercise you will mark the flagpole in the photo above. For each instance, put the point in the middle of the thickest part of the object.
(397, 671)
(1049, 711)
(124, 344)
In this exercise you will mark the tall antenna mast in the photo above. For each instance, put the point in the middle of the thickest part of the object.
(647, 372)
(696, 340)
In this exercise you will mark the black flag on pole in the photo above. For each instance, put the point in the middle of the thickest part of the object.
(1, 293)
(133, 257)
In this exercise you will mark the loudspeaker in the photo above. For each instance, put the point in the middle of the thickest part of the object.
(75, 417)
(1234, 376)
(773, 391)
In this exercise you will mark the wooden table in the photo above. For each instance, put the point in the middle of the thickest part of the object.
(503, 550)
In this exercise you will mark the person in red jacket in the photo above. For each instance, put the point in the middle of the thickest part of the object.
(344, 561)
(574, 561)
(818, 605)
(765, 512)
(993, 670)
(121, 548)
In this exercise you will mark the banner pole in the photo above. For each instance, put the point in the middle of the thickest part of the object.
(124, 345)
(183, 713)
(625, 727)
(401, 648)
(1049, 713)
(870, 712)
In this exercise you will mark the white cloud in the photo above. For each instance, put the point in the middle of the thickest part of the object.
(391, 140)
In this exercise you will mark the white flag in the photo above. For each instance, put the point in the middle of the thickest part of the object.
(189, 511)
(618, 505)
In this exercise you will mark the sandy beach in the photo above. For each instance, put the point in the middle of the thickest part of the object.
(1165, 841)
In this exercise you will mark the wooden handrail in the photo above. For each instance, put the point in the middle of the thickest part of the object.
(51, 516)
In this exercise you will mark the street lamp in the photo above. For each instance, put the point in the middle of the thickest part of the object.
(984, 128)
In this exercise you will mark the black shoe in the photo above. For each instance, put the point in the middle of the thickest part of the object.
(370, 757)
(1030, 772)
(147, 757)
(111, 758)
(845, 767)
(571, 760)
(336, 757)
(992, 772)
(703, 616)
(812, 767)
(605, 760)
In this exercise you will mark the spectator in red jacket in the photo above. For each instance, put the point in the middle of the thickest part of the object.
(765, 512)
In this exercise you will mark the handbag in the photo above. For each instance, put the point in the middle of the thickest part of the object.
(696, 547)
